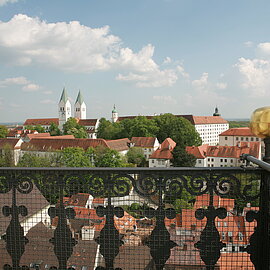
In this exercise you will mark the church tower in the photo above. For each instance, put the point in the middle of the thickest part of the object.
(216, 113)
(80, 107)
(114, 114)
(64, 109)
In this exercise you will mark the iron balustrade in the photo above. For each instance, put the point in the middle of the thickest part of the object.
(134, 218)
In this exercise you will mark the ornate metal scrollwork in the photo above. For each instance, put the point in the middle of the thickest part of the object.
(253, 247)
(210, 244)
(159, 242)
(62, 240)
(109, 239)
(14, 238)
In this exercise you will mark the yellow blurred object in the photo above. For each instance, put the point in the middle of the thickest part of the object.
(260, 122)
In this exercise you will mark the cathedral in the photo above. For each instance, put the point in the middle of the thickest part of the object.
(65, 112)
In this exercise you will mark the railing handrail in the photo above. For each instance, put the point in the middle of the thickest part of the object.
(137, 169)
(264, 165)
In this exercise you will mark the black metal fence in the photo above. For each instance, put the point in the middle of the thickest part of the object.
(134, 218)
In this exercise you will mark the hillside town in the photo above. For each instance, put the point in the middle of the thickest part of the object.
(220, 146)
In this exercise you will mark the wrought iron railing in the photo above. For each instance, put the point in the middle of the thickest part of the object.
(134, 218)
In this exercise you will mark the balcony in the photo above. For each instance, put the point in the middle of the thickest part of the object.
(129, 218)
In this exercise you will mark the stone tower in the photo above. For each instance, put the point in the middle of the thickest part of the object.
(114, 114)
(80, 107)
(64, 109)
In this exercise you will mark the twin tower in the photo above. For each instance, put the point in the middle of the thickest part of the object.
(64, 108)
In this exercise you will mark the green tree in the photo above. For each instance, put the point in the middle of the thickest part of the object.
(135, 155)
(7, 156)
(71, 127)
(105, 157)
(38, 128)
(54, 130)
(3, 131)
(181, 158)
(177, 128)
(32, 160)
(75, 157)
(143, 127)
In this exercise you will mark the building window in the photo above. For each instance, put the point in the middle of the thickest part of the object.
(199, 161)
(242, 138)
(225, 160)
(241, 238)
(247, 139)
(223, 235)
(226, 138)
(221, 160)
(257, 139)
(208, 159)
(231, 160)
(237, 138)
(252, 139)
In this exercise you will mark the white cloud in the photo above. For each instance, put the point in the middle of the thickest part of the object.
(202, 82)
(167, 60)
(31, 87)
(182, 71)
(16, 80)
(47, 101)
(77, 48)
(221, 85)
(248, 44)
(4, 2)
(156, 78)
(28, 86)
(165, 100)
(256, 75)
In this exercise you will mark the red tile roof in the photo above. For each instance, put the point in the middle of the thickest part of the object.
(143, 141)
(87, 122)
(38, 135)
(11, 142)
(118, 145)
(243, 131)
(198, 151)
(204, 120)
(45, 121)
(165, 150)
(252, 148)
(51, 144)
(121, 118)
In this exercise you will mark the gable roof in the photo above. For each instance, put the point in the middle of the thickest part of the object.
(165, 150)
(87, 122)
(118, 145)
(143, 141)
(51, 144)
(243, 131)
(252, 148)
(204, 120)
(11, 142)
(198, 151)
(42, 122)
(79, 98)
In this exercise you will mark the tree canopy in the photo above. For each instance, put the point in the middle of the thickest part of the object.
(3, 131)
(135, 155)
(38, 128)
(71, 127)
(181, 158)
(54, 130)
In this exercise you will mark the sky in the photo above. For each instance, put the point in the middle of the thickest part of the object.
(145, 56)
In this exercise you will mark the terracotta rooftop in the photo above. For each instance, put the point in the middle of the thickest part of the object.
(204, 120)
(198, 151)
(42, 121)
(51, 144)
(118, 145)
(165, 150)
(143, 141)
(11, 142)
(252, 148)
(87, 122)
(243, 131)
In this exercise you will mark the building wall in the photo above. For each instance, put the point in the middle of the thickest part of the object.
(233, 140)
(159, 163)
(209, 133)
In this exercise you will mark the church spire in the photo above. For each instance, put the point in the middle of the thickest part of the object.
(114, 114)
(64, 96)
(79, 98)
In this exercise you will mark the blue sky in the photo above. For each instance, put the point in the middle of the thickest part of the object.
(145, 56)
